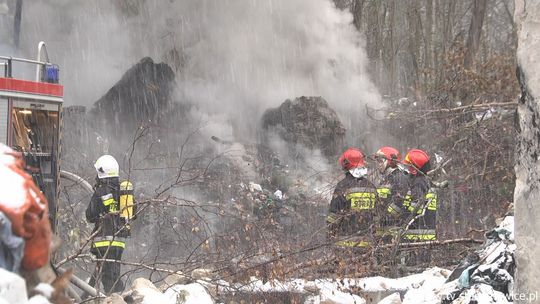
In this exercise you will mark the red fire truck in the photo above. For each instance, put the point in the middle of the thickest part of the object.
(30, 118)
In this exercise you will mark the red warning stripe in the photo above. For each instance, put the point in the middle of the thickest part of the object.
(31, 87)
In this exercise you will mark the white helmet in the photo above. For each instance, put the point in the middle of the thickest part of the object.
(107, 166)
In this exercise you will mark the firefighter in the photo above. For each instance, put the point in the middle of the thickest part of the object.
(353, 202)
(421, 201)
(394, 184)
(104, 211)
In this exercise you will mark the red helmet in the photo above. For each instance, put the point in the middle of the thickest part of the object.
(417, 160)
(352, 158)
(390, 155)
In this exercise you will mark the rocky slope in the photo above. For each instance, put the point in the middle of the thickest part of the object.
(527, 192)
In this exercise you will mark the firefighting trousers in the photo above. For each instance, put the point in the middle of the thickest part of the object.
(108, 272)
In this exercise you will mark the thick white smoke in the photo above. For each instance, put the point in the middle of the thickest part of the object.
(262, 52)
(240, 57)
(88, 41)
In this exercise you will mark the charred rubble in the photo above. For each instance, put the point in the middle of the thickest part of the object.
(142, 95)
(307, 121)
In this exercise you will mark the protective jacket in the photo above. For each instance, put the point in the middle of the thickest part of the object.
(352, 208)
(392, 193)
(103, 209)
(422, 206)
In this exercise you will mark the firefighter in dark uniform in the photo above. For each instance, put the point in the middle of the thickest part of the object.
(394, 185)
(104, 211)
(352, 208)
(421, 201)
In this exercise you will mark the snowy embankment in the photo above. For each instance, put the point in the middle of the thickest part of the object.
(485, 276)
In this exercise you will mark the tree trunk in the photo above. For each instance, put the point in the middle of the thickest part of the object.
(390, 50)
(413, 47)
(17, 23)
(428, 45)
(357, 10)
(373, 38)
(447, 29)
(475, 31)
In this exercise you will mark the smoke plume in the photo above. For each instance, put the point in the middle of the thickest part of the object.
(232, 57)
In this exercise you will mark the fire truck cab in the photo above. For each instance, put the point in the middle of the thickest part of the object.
(30, 119)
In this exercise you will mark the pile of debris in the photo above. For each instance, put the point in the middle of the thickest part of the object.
(487, 275)
(142, 95)
(307, 121)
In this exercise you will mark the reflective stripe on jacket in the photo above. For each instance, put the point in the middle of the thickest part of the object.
(349, 243)
(100, 244)
(384, 192)
(430, 203)
(361, 199)
(106, 241)
(109, 202)
(420, 235)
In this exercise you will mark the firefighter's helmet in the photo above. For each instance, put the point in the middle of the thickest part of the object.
(352, 158)
(417, 160)
(387, 157)
(107, 166)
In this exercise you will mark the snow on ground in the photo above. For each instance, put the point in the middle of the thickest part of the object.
(340, 291)
(191, 294)
(483, 294)
(319, 291)
(482, 282)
